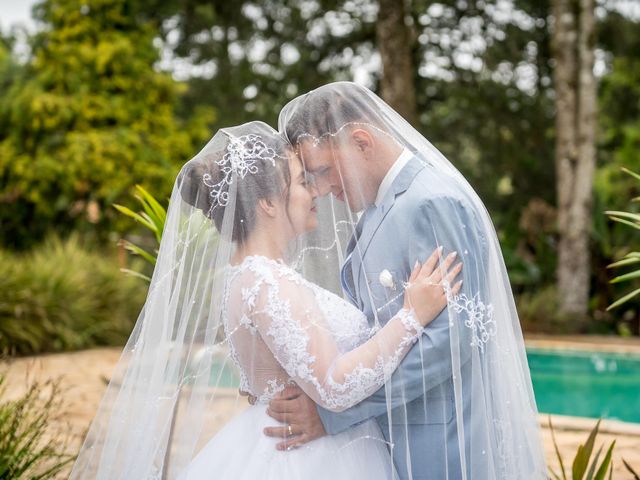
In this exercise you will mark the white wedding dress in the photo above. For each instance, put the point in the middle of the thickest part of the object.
(281, 329)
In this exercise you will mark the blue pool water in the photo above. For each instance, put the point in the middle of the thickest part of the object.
(586, 384)
(565, 382)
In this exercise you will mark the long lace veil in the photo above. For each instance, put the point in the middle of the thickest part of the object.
(175, 385)
(463, 398)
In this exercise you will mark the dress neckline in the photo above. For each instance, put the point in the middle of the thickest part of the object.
(249, 258)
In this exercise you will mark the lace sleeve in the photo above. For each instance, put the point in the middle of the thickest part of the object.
(285, 312)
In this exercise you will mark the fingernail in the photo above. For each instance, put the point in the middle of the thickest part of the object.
(416, 265)
(453, 254)
(440, 249)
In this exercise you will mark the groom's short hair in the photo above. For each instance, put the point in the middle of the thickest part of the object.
(321, 113)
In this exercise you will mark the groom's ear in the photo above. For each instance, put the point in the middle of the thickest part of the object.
(362, 140)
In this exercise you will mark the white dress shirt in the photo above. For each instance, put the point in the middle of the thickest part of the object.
(391, 175)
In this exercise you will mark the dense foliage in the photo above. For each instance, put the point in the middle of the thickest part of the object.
(63, 296)
(85, 119)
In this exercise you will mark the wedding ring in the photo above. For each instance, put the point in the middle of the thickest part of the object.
(290, 430)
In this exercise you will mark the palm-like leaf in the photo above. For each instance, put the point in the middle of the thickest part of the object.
(632, 220)
(582, 463)
(557, 450)
(629, 172)
(152, 217)
(136, 250)
(627, 260)
(631, 470)
(624, 299)
(581, 460)
(138, 217)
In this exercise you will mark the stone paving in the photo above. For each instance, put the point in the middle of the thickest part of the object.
(83, 377)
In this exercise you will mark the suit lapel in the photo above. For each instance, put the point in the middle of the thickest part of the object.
(346, 273)
(399, 186)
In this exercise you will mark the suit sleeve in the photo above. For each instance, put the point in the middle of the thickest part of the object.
(456, 226)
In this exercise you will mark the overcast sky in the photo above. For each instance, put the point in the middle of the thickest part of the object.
(15, 12)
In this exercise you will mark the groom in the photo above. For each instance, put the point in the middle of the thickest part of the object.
(350, 147)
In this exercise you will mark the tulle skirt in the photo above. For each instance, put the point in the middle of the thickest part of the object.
(241, 451)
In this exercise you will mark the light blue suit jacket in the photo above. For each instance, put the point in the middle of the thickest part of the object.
(421, 211)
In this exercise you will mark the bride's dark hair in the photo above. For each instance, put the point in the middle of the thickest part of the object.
(270, 177)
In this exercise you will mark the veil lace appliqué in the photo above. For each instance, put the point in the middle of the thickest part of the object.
(479, 318)
(240, 159)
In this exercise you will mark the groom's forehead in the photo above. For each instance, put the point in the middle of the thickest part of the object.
(316, 153)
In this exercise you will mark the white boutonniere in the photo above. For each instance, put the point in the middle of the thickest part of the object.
(386, 279)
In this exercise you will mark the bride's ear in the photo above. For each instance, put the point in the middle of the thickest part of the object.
(267, 206)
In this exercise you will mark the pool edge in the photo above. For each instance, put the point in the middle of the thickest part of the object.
(585, 424)
(597, 343)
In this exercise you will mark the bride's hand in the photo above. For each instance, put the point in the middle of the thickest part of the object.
(426, 290)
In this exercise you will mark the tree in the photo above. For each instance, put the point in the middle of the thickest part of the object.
(252, 57)
(573, 49)
(89, 118)
(394, 40)
(496, 132)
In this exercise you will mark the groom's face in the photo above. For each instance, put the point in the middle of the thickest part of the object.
(335, 171)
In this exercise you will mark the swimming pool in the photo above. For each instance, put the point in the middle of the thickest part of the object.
(565, 382)
(586, 384)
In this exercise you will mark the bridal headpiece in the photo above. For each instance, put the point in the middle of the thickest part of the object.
(241, 157)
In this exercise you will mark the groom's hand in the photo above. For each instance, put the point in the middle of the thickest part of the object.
(250, 398)
(300, 416)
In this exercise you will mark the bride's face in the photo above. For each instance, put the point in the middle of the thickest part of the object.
(302, 194)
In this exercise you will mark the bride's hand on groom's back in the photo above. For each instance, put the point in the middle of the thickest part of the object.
(298, 413)
(431, 284)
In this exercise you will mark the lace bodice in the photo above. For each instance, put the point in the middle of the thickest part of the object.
(283, 329)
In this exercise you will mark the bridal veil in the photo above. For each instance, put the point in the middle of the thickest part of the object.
(461, 405)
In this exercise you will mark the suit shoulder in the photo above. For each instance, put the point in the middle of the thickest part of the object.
(433, 188)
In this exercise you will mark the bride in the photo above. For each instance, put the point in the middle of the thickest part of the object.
(228, 281)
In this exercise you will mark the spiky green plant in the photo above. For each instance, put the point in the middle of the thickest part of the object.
(632, 258)
(582, 467)
(25, 452)
(63, 296)
(631, 470)
(152, 217)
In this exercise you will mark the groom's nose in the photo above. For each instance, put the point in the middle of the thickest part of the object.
(324, 187)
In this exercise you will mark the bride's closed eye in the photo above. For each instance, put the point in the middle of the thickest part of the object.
(308, 180)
